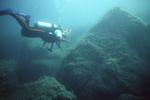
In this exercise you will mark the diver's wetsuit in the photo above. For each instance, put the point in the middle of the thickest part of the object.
(26, 30)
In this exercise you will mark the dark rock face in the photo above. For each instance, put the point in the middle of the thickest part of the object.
(111, 59)
(131, 97)
(8, 77)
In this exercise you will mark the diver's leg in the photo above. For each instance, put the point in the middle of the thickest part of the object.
(9, 10)
(27, 17)
(26, 30)
(23, 15)
(27, 21)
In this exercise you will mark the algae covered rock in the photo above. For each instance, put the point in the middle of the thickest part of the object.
(8, 78)
(107, 61)
(46, 88)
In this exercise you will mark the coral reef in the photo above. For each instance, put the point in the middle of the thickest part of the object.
(45, 88)
(110, 59)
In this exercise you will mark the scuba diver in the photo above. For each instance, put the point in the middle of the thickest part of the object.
(49, 33)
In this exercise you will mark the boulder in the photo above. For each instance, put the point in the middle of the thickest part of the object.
(45, 88)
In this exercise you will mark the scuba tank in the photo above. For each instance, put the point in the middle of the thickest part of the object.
(45, 26)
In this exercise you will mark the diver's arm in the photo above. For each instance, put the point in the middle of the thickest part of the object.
(63, 39)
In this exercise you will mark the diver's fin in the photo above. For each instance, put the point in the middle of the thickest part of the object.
(10, 10)
(43, 44)
(5, 11)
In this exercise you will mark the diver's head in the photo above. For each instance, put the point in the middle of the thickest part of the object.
(66, 32)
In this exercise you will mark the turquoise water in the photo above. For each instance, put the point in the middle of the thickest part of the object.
(73, 14)
(79, 15)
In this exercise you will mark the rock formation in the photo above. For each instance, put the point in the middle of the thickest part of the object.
(8, 77)
(46, 88)
(110, 60)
